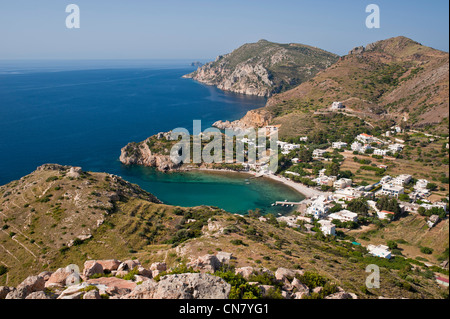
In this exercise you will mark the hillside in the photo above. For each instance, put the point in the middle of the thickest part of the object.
(395, 80)
(60, 215)
(264, 68)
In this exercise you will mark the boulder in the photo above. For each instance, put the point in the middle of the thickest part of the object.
(207, 263)
(92, 267)
(92, 294)
(4, 291)
(340, 295)
(287, 295)
(282, 273)
(144, 272)
(302, 288)
(38, 295)
(46, 275)
(60, 278)
(184, 286)
(28, 286)
(299, 295)
(128, 265)
(139, 278)
(17, 294)
(157, 268)
(109, 265)
(112, 285)
(224, 257)
(317, 290)
(246, 272)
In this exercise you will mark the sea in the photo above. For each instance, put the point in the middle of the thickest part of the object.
(81, 113)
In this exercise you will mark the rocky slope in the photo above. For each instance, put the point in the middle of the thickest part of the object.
(144, 153)
(396, 79)
(59, 216)
(113, 279)
(264, 68)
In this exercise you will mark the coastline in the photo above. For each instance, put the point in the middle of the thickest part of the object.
(303, 190)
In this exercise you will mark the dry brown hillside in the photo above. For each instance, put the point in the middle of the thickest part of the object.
(392, 79)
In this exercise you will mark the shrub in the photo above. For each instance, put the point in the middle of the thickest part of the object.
(426, 250)
(3, 270)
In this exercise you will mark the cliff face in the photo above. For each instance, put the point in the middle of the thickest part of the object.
(141, 154)
(253, 119)
(264, 68)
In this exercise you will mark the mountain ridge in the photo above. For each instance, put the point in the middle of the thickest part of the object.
(264, 68)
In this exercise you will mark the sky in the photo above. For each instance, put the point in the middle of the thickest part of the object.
(204, 29)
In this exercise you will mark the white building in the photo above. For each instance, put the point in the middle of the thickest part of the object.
(286, 148)
(385, 179)
(304, 139)
(342, 183)
(365, 148)
(347, 194)
(339, 145)
(327, 228)
(421, 184)
(356, 147)
(380, 152)
(344, 216)
(379, 251)
(402, 180)
(319, 153)
(392, 190)
(366, 138)
(337, 106)
(319, 208)
(384, 214)
(396, 148)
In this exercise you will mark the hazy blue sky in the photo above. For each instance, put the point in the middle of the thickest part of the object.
(203, 29)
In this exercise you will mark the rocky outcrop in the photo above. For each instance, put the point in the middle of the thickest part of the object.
(141, 154)
(206, 283)
(184, 286)
(263, 68)
(253, 119)
(28, 286)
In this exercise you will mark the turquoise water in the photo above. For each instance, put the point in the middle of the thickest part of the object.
(83, 113)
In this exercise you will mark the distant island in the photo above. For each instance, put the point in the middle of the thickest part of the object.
(197, 64)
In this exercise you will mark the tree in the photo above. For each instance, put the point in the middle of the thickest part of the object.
(305, 155)
(392, 244)
(332, 169)
(390, 205)
(358, 205)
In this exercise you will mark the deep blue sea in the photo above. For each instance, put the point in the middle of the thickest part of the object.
(83, 113)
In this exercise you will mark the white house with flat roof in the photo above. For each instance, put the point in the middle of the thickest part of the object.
(342, 183)
(337, 106)
(380, 152)
(339, 145)
(327, 228)
(344, 216)
(319, 208)
(392, 190)
(402, 180)
(379, 251)
(396, 148)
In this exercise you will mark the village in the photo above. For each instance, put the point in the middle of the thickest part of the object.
(332, 198)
